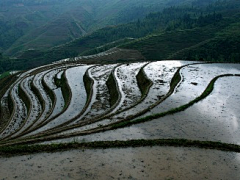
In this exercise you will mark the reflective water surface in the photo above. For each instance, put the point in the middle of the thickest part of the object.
(130, 163)
(215, 118)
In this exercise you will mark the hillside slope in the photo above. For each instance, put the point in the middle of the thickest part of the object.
(198, 32)
(43, 24)
(209, 43)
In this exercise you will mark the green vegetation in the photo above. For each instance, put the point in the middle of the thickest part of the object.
(223, 47)
(209, 34)
(66, 91)
(106, 46)
(197, 31)
(176, 79)
(5, 83)
(26, 149)
(4, 75)
(6, 114)
(44, 24)
(113, 89)
(88, 84)
(41, 25)
(161, 46)
(143, 82)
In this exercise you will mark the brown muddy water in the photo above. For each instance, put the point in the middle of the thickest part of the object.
(130, 163)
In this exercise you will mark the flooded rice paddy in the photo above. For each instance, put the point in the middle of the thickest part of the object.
(125, 163)
(77, 114)
(215, 118)
(68, 102)
(128, 88)
(195, 79)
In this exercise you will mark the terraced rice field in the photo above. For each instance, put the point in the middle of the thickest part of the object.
(120, 104)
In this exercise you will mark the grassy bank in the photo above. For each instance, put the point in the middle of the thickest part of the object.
(26, 149)
(5, 74)
(66, 91)
(88, 83)
(5, 84)
(143, 82)
(113, 89)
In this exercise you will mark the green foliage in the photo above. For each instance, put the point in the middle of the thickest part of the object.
(39, 24)
(210, 34)
(201, 32)
(5, 74)
(66, 91)
(113, 89)
(26, 149)
(10, 32)
(158, 47)
(5, 83)
(143, 82)
(106, 46)
(88, 84)
(42, 24)
(224, 47)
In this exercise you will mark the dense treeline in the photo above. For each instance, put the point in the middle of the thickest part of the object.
(224, 47)
(170, 19)
(4, 64)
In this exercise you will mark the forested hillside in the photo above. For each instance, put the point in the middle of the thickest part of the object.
(198, 30)
(42, 24)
